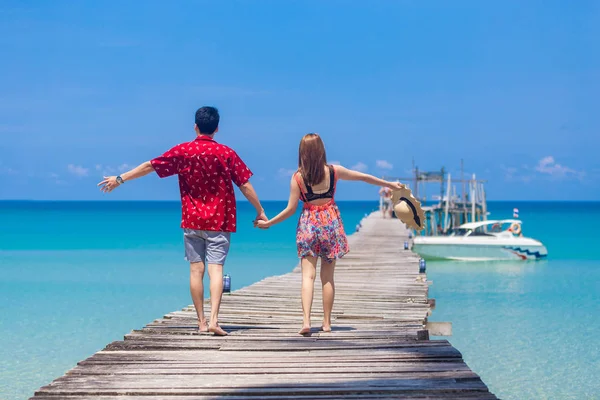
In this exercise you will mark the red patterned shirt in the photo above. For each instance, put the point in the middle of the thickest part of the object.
(206, 170)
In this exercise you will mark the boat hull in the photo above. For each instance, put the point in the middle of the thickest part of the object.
(480, 251)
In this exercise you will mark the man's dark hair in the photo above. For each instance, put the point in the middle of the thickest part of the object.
(207, 119)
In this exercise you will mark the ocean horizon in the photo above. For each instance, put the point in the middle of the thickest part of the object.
(77, 275)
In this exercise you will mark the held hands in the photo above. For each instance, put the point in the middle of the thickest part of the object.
(261, 219)
(108, 184)
(263, 224)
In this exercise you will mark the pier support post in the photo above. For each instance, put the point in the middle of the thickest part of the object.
(423, 334)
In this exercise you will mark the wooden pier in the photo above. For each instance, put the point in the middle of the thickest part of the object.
(376, 349)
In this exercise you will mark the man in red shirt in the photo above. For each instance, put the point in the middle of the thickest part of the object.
(207, 171)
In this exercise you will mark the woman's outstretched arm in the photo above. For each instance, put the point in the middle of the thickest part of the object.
(288, 211)
(351, 175)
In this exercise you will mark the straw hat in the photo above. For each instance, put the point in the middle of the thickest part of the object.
(408, 209)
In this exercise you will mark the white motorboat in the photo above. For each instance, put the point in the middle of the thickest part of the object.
(481, 241)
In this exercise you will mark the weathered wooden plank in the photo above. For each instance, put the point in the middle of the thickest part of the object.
(432, 387)
(270, 368)
(267, 335)
(246, 396)
(196, 383)
(287, 346)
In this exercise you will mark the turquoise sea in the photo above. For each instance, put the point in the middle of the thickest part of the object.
(75, 276)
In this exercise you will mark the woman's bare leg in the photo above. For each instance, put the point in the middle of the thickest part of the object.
(327, 269)
(309, 271)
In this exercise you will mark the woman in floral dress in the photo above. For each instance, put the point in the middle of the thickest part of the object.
(320, 231)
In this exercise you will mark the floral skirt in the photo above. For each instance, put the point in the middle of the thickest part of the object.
(321, 232)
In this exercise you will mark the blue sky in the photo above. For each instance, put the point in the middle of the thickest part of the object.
(511, 87)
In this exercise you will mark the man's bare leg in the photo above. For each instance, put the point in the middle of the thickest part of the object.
(197, 292)
(215, 273)
(309, 271)
(327, 269)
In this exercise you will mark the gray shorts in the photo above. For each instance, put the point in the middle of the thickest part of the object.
(206, 246)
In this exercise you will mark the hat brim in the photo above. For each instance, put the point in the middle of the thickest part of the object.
(417, 220)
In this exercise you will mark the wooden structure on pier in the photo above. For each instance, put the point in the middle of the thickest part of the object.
(374, 352)
(446, 209)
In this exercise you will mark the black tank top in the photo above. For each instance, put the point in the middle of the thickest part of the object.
(311, 196)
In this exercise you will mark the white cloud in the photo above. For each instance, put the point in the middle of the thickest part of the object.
(55, 178)
(362, 167)
(549, 166)
(509, 172)
(286, 173)
(78, 170)
(384, 164)
(7, 171)
(107, 170)
(335, 163)
(124, 167)
(513, 174)
(546, 166)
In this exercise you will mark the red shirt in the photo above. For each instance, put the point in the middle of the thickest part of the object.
(206, 171)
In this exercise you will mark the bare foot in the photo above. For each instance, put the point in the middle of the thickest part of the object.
(326, 328)
(202, 327)
(304, 331)
(217, 330)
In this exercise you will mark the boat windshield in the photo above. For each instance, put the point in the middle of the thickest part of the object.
(480, 231)
(459, 232)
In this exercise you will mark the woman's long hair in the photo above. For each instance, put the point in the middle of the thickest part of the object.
(312, 159)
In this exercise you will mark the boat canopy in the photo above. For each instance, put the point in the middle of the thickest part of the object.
(475, 225)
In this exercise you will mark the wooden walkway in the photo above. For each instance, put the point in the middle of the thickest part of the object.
(373, 352)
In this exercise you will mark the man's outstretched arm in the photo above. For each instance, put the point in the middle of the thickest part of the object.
(248, 191)
(110, 182)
